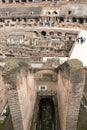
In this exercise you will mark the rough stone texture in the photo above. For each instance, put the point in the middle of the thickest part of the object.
(10, 72)
(27, 97)
(70, 87)
(21, 98)
(14, 105)
(85, 88)
(3, 95)
(22, 90)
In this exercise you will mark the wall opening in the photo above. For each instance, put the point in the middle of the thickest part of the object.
(3, 1)
(51, 33)
(69, 12)
(61, 19)
(17, 1)
(30, 0)
(43, 33)
(81, 20)
(46, 115)
(48, 13)
(74, 20)
(55, 13)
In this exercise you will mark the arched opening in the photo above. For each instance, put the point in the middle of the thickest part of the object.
(81, 20)
(23, 0)
(3, 1)
(73, 20)
(55, 13)
(1, 20)
(46, 115)
(48, 13)
(14, 19)
(59, 33)
(69, 12)
(61, 19)
(17, 1)
(36, 33)
(51, 33)
(19, 19)
(43, 33)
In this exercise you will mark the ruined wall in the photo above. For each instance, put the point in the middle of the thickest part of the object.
(46, 78)
(26, 94)
(70, 88)
(21, 93)
(85, 88)
(3, 96)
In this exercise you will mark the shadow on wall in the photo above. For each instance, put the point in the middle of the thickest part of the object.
(46, 115)
(82, 121)
(7, 124)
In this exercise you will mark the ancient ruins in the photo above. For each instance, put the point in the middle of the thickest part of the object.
(39, 67)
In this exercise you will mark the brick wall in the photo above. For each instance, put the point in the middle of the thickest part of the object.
(27, 97)
(21, 93)
(70, 88)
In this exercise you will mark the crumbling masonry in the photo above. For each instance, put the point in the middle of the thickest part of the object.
(30, 31)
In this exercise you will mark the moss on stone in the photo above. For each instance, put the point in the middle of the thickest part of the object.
(73, 70)
(76, 71)
(75, 63)
(10, 71)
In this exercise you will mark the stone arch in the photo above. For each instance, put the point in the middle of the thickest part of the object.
(59, 33)
(1, 20)
(74, 20)
(36, 33)
(51, 33)
(61, 19)
(43, 33)
(17, 1)
(48, 13)
(54, 13)
(39, 74)
(81, 20)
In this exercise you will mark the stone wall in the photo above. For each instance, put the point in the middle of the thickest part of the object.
(27, 97)
(21, 93)
(3, 96)
(70, 89)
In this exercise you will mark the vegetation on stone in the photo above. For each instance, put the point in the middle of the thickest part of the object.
(10, 71)
(76, 71)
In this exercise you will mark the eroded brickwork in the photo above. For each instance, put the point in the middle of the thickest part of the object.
(70, 88)
(3, 94)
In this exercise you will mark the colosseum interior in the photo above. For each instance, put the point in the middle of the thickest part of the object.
(43, 64)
